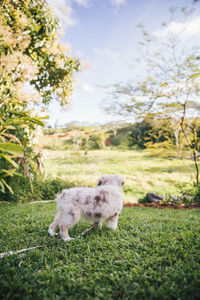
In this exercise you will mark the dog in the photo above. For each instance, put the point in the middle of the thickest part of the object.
(100, 204)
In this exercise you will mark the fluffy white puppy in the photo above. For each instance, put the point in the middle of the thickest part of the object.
(99, 204)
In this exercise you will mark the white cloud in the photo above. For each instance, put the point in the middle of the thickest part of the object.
(112, 55)
(84, 3)
(184, 30)
(108, 53)
(86, 87)
(63, 10)
(118, 2)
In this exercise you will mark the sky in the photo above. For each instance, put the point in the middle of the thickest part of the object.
(105, 36)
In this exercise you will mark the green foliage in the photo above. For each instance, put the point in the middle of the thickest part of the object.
(140, 134)
(8, 151)
(41, 189)
(97, 141)
(190, 193)
(163, 149)
(16, 134)
(33, 42)
(145, 133)
(11, 148)
(31, 59)
(121, 137)
(154, 254)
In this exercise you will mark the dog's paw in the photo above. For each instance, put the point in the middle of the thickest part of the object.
(51, 232)
(112, 226)
(67, 239)
(100, 225)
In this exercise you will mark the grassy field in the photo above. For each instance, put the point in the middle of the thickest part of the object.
(143, 173)
(154, 254)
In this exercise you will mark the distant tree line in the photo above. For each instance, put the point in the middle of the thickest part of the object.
(145, 134)
(151, 132)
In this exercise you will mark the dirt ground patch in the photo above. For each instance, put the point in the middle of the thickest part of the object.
(163, 205)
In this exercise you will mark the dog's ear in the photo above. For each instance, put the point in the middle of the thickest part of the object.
(99, 182)
(122, 181)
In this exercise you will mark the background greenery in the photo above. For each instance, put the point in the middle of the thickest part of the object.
(143, 173)
(35, 69)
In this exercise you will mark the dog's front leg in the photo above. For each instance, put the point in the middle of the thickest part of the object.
(112, 222)
(100, 224)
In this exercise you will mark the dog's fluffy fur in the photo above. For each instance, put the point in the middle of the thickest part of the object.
(99, 204)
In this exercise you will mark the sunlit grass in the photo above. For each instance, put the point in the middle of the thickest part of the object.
(143, 172)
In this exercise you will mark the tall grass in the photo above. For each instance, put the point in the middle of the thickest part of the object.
(143, 172)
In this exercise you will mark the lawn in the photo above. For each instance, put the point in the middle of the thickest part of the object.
(143, 172)
(154, 254)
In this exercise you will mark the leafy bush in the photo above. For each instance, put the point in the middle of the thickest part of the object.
(190, 193)
(151, 131)
(96, 141)
(140, 134)
(121, 137)
(164, 149)
(42, 190)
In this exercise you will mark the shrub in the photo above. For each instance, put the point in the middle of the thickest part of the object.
(97, 141)
(41, 190)
(121, 138)
(190, 193)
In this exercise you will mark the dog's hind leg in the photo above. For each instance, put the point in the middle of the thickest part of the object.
(64, 233)
(112, 222)
(68, 220)
(54, 225)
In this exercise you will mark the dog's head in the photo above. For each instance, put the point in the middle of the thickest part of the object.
(111, 180)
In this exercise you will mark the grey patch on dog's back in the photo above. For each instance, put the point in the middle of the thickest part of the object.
(97, 201)
(87, 200)
(88, 214)
(101, 198)
(71, 213)
(104, 194)
(78, 197)
(97, 215)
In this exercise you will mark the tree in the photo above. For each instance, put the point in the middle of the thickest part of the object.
(34, 69)
(169, 85)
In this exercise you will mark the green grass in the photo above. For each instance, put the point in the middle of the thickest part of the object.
(154, 254)
(143, 173)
